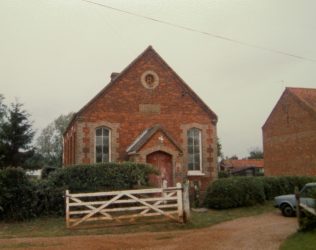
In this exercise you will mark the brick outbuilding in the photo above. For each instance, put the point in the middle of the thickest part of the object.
(147, 114)
(289, 134)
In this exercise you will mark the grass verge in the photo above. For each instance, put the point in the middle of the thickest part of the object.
(300, 240)
(52, 227)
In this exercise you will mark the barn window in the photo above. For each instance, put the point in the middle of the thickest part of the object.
(102, 145)
(194, 149)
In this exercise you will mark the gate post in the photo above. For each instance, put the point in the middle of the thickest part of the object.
(298, 208)
(67, 208)
(164, 186)
(179, 201)
(186, 201)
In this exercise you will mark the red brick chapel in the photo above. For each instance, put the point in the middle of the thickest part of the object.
(147, 114)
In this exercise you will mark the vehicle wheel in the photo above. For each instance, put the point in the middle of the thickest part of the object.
(287, 210)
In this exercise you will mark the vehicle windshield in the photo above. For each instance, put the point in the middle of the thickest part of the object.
(309, 192)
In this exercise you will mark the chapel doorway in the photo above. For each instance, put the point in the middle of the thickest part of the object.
(163, 162)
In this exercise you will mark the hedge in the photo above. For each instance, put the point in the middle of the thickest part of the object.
(106, 176)
(22, 198)
(235, 192)
(17, 195)
(245, 191)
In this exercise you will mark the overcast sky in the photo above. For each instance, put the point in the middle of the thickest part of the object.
(55, 55)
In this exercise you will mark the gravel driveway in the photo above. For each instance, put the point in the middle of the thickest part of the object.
(266, 231)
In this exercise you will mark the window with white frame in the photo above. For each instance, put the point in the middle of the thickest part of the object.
(194, 149)
(102, 145)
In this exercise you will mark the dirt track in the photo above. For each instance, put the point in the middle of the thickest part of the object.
(265, 231)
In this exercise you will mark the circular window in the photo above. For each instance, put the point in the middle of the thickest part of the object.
(149, 79)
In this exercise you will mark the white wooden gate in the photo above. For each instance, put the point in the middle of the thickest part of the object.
(308, 209)
(124, 205)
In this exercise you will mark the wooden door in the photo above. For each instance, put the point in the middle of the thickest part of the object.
(163, 162)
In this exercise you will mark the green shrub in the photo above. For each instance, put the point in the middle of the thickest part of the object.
(50, 199)
(46, 171)
(223, 174)
(275, 186)
(101, 177)
(244, 191)
(235, 192)
(17, 195)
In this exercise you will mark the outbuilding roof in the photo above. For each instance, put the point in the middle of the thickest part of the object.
(244, 163)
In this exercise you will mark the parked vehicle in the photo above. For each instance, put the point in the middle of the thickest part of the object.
(287, 203)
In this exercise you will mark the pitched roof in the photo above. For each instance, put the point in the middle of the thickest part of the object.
(244, 163)
(306, 96)
(144, 137)
(186, 88)
(239, 170)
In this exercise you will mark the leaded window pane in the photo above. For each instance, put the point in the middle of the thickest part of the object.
(190, 149)
(106, 141)
(190, 166)
(102, 145)
(196, 140)
(105, 149)
(194, 149)
(197, 160)
(98, 132)
(105, 132)
(98, 140)
(98, 151)
(190, 140)
(106, 157)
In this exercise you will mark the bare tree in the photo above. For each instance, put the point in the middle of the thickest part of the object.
(50, 142)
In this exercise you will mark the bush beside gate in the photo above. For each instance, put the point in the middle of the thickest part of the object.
(22, 198)
(246, 191)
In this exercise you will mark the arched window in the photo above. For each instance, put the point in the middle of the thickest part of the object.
(194, 149)
(102, 145)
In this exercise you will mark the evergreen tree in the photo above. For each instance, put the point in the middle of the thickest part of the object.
(2, 114)
(16, 135)
(2, 109)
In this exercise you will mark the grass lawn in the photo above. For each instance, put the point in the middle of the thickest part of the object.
(51, 227)
(300, 240)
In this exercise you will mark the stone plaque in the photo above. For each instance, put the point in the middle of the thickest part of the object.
(149, 108)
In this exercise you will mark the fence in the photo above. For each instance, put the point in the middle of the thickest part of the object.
(127, 205)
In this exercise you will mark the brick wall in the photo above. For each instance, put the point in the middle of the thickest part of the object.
(289, 138)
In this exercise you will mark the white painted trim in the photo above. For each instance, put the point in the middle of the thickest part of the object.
(195, 173)
(137, 140)
(201, 151)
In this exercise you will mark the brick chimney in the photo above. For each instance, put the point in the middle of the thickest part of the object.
(114, 75)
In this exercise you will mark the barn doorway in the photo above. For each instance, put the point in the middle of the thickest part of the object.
(163, 162)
